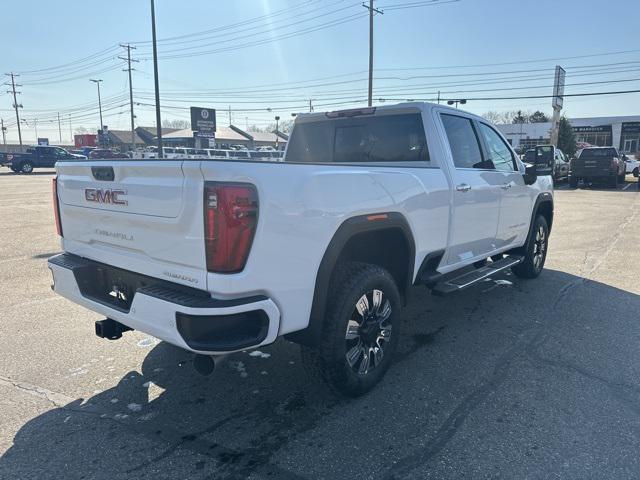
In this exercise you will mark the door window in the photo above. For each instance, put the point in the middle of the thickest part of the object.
(499, 152)
(463, 142)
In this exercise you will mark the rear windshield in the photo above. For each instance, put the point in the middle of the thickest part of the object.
(598, 152)
(383, 138)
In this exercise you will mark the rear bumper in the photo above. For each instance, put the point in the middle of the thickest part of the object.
(182, 316)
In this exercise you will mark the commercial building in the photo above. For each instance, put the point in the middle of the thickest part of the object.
(622, 132)
(227, 136)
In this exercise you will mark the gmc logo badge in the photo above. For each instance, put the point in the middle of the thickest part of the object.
(106, 195)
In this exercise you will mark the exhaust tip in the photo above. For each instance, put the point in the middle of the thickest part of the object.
(204, 364)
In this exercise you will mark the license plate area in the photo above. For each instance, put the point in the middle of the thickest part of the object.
(110, 285)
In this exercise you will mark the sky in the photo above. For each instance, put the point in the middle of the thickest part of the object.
(263, 58)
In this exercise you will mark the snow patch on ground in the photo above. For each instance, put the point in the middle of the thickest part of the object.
(503, 282)
(134, 407)
(258, 353)
(145, 342)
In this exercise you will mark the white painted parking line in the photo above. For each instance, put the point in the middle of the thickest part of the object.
(628, 185)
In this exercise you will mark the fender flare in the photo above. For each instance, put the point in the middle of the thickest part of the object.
(346, 231)
(544, 197)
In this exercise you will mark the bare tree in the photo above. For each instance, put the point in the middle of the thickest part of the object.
(175, 123)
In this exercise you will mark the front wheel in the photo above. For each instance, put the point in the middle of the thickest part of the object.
(360, 332)
(636, 172)
(535, 251)
(26, 167)
(573, 182)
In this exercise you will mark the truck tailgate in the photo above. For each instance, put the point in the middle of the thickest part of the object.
(140, 215)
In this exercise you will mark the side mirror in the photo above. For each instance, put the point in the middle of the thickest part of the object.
(530, 173)
(544, 159)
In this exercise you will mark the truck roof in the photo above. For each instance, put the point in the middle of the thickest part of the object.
(380, 109)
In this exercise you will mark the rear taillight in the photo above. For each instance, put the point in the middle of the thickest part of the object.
(230, 219)
(56, 205)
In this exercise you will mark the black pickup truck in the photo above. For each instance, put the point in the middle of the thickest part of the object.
(597, 165)
(36, 157)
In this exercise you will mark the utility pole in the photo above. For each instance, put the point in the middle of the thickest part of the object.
(230, 122)
(4, 129)
(71, 131)
(155, 77)
(15, 101)
(97, 82)
(310, 105)
(59, 128)
(438, 97)
(372, 11)
(128, 69)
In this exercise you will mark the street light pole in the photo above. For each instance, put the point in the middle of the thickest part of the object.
(97, 82)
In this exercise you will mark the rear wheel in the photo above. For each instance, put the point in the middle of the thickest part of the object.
(636, 172)
(573, 182)
(613, 182)
(360, 331)
(621, 177)
(26, 167)
(535, 251)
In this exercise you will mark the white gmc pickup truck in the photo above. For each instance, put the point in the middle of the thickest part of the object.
(218, 256)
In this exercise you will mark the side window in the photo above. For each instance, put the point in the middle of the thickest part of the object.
(463, 142)
(498, 150)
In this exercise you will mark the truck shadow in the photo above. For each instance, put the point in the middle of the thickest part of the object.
(261, 414)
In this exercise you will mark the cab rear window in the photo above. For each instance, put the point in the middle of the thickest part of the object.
(598, 152)
(374, 139)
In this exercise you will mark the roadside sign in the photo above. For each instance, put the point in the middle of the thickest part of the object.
(558, 87)
(203, 134)
(203, 120)
(43, 141)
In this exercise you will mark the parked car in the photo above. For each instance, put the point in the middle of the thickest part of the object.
(218, 256)
(39, 156)
(560, 161)
(104, 153)
(632, 164)
(597, 165)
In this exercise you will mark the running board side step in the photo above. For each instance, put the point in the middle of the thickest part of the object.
(465, 280)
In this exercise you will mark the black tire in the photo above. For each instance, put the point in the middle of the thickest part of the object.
(343, 331)
(622, 178)
(535, 251)
(613, 182)
(26, 167)
(636, 172)
(573, 182)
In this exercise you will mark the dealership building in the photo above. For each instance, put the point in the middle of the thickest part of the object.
(620, 132)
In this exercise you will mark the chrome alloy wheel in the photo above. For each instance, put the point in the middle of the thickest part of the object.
(368, 332)
(539, 247)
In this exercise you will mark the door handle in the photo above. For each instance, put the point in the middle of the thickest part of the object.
(463, 187)
(506, 186)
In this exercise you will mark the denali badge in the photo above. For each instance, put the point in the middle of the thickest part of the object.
(106, 195)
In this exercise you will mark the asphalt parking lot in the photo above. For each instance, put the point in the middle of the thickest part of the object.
(511, 379)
